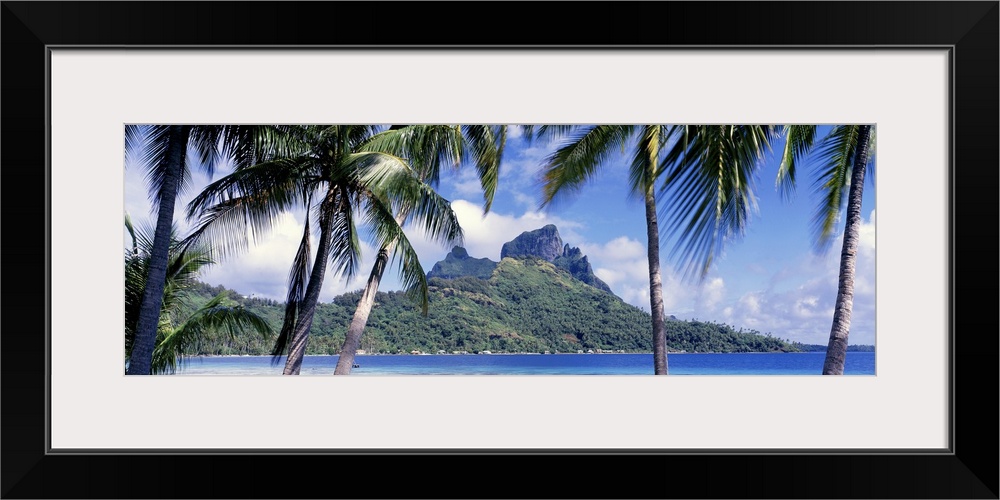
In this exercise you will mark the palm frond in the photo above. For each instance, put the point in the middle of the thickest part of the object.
(870, 173)
(246, 145)
(206, 142)
(434, 216)
(568, 168)
(411, 274)
(247, 203)
(136, 153)
(485, 146)
(395, 184)
(219, 313)
(426, 148)
(148, 150)
(708, 190)
(298, 279)
(355, 136)
(131, 232)
(798, 142)
(646, 159)
(389, 236)
(145, 145)
(547, 133)
(836, 156)
(337, 214)
(183, 267)
(136, 269)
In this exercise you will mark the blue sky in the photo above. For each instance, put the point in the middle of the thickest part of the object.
(771, 280)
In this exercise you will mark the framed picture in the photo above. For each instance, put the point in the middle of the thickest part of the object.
(924, 73)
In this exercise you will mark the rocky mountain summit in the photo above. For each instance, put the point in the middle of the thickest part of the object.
(458, 263)
(544, 243)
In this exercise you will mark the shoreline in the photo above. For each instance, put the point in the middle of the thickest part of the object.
(502, 354)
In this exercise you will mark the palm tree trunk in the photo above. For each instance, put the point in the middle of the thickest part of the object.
(300, 334)
(364, 309)
(140, 363)
(836, 351)
(653, 255)
(655, 287)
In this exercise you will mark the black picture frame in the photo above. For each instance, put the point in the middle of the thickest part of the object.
(969, 470)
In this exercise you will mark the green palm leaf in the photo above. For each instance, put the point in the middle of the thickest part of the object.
(385, 176)
(389, 235)
(571, 166)
(392, 182)
(836, 155)
(146, 147)
(298, 279)
(248, 202)
(709, 188)
(486, 145)
(219, 313)
(183, 267)
(338, 214)
(798, 142)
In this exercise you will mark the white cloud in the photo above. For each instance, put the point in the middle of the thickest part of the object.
(804, 312)
(637, 296)
(468, 188)
(263, 269)
(610, 276)
(623, 264)
(801, 309)
(525, 165)
(751, 302)
(465, 182)
(484, 236)
(519, 173)
(527, 201)
(711, 293)
(620, 248)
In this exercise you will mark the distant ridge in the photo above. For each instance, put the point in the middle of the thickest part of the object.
(458, 263)
(541, 297)
(543, 243)
(527, 305)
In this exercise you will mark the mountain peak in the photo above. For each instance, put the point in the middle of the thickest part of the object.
(458, 263)
(543, 243)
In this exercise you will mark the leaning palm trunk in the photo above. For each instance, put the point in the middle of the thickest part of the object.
(655, 287)
(307, 309)
(140, 361)
(364, 309)
(836, 351)
(357, 328)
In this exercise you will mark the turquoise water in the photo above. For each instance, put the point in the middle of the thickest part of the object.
(810, 363)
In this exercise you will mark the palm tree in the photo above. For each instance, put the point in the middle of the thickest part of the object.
(426, 147)
(845, 156)
(183, 267)
(340, 166)
(704, 172)
(162, 150)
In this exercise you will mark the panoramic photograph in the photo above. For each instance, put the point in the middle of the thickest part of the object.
(545, 249)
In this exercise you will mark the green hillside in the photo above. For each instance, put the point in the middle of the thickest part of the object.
(526, 305)
(458, 263)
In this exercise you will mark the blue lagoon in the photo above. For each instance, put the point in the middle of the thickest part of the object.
(808, 363)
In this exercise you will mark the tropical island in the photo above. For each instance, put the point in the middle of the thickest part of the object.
(541, 297)
(695, 182)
